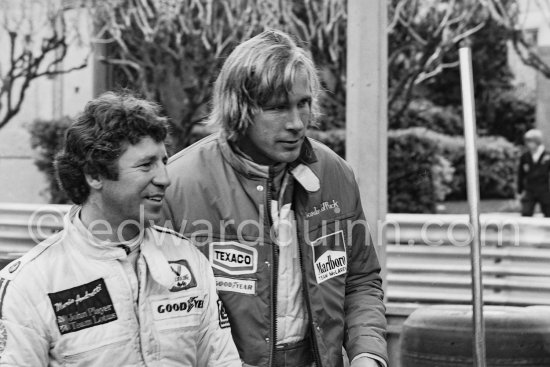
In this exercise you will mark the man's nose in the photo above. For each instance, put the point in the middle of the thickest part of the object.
(161, 176)
(295, 120)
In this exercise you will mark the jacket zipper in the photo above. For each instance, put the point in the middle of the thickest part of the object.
(274, 273)
(317, 354)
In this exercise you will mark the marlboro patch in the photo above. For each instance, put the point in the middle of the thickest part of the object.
(330, 258)
(82, 307)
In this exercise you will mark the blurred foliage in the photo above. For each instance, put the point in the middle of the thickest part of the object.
(171, 50)
(426, 167)
(419, 175)
(47, 138)
(424, 113)
(513, 115)
(500, 108)
(497, 165)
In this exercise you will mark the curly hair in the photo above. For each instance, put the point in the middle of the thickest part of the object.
(100, 135)
(258, 70)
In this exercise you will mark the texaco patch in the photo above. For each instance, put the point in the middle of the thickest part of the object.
(3, 337)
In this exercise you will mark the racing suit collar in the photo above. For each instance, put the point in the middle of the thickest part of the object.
(90, 246)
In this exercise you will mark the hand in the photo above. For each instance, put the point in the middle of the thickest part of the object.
(364, 362)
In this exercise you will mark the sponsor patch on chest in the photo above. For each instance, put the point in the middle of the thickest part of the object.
(82, 307)
(243, 286)
(233, 258)
(183, 277)
(329, 256)
(177, 307)
(223, 318)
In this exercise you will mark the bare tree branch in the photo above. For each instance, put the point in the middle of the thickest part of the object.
(38, 44)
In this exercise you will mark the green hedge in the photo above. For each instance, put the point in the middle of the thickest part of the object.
(418, 174)
(421, 164)
(497, 164)
(47, 137)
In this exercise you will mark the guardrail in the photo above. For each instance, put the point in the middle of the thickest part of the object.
(427, 257)
(427, 260)
(24, 225)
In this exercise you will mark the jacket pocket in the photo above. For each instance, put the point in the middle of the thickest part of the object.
(113, 353)
(177, 324)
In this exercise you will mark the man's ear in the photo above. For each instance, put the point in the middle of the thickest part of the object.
(95, 181)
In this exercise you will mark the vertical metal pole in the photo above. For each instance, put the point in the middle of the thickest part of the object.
(468, 104)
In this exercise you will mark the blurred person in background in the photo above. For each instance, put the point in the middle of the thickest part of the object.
(111, 289)
(294, 263)
(534, 175)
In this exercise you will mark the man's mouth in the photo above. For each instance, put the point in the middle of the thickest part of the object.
(155, 197)
(291, 142)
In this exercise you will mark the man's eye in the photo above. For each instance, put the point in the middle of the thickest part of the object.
(304, 103)
(275, 108)
(146, 164)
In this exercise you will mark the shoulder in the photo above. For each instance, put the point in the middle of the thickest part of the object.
(202, 147)
(170, 233)
(23, 278)
(173, 241)
(328, 162)
(176, 246)
(32, 259)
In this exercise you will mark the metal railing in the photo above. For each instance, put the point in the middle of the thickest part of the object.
(427, 260)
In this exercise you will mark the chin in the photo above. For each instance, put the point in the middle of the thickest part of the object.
(151, 219)
(289, 158)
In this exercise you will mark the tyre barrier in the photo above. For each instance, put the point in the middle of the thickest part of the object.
(441, 336)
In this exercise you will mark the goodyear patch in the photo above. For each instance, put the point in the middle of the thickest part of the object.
(233, 258)
(183, 276)
(329, 256)
(243, 286)
(177, 307)
(82, 307)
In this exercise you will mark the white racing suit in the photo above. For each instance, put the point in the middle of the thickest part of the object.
(72, 301)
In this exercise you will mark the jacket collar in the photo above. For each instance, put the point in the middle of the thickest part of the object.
(252, 169)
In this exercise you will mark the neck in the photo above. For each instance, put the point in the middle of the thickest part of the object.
(249, 150)
(104, 228)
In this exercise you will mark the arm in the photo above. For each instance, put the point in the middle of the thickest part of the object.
(520, 176)
(216, 347)
(21, 342)
(364, 307)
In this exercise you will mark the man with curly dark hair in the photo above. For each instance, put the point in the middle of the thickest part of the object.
(112, 289)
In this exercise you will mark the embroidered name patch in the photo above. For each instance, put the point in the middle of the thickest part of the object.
(177, 307)
(222, 315)
(184, 278)
(82, 307)
(244, 286)
(233, 258)
(330, 258)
